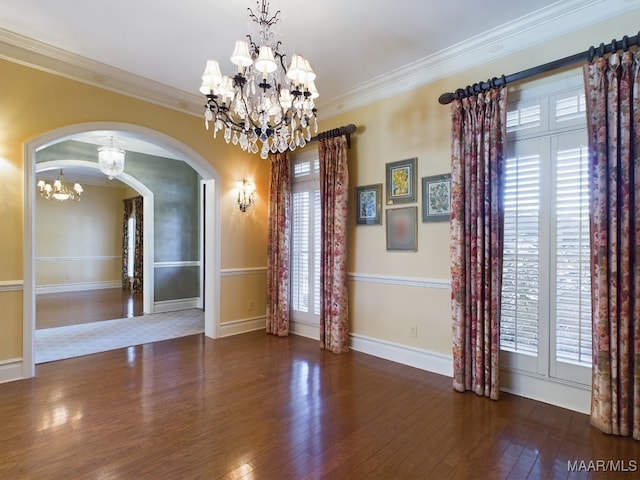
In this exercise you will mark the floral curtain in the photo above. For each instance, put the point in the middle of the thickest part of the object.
(135, 207)
(128, 210)
(613, 105)
(477, 183)
(138, 258)
(334, 193)
(278, 247)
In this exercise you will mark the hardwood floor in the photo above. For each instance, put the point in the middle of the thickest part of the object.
(254, 406)
(72, 308)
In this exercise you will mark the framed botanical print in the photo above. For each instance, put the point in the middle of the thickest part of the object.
(402, 181)
(436, 198)
(369, 204)
(402, 230)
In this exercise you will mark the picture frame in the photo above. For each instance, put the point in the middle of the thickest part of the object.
(436, 198)
(401, 179)
(402, 229)
(369, 204)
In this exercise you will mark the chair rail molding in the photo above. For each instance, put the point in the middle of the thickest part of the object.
(400, 280)
(226, 272)
(11, 285)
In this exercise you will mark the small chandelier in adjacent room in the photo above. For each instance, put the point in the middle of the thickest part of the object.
(59, 190)
(246, 194)
(111, 158)
(264, 100)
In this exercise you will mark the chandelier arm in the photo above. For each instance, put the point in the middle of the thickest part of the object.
(264, 13)
(254, 47)
(252, 125)
(226, 117)
(281, 57)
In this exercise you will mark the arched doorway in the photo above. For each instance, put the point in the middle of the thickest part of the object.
(210, 269)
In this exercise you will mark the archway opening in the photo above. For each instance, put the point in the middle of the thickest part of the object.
(209, 269)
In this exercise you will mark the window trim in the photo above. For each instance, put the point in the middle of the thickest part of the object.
(543, 365)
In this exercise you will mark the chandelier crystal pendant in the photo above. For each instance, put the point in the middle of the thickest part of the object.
(111, 158)
(264, 101)
(59, 190)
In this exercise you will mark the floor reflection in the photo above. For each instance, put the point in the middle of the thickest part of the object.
(306, 408)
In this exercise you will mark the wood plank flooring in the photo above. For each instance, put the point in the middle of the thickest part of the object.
(254, 406)
(72, 308)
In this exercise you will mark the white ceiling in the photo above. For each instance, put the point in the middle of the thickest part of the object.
(348, 43)
(357, 47)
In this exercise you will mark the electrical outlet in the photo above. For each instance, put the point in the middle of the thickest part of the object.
(413, 331)
(250, 306)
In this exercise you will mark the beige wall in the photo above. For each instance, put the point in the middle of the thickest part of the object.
(80, 242)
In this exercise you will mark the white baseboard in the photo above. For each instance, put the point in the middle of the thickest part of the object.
(77, 287)
(304, 330)
(244, 325)
(174, 305)
(414, 357)
(536, 387)
(10, 370)
(562, 394)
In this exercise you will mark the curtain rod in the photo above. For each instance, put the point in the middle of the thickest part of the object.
(585, 56)
(336, 132)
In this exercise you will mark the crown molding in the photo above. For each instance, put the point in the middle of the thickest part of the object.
(31, 53)
(545, 24)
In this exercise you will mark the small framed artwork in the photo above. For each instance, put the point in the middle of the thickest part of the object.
(402, 231)
(436, 198)
(369, 204)
(402, 181)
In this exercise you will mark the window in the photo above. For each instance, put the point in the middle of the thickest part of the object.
(546, 302)
(305, 239)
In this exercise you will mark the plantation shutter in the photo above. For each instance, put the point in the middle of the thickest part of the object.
(546, 287)
(305, 248)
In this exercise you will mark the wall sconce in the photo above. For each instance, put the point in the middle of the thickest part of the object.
(246, 194)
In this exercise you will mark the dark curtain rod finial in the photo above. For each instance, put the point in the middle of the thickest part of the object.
(346, 130)
(587, 56)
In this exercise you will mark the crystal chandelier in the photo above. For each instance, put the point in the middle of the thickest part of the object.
(59, 190)
(111, 158)
(264, 101)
